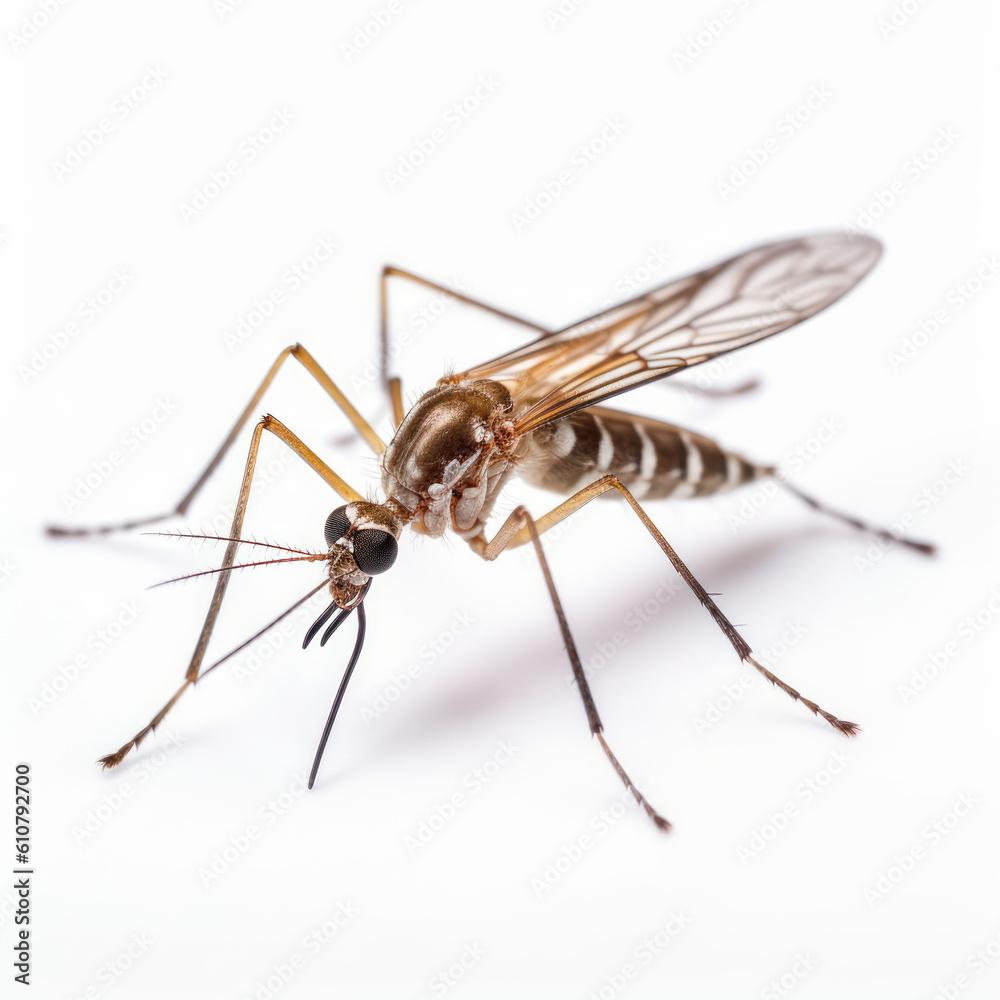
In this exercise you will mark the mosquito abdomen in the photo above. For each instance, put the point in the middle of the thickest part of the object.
(652, 459)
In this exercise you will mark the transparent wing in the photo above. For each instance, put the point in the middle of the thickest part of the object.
(689, 321)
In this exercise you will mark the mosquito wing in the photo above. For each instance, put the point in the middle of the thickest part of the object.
(689, 321)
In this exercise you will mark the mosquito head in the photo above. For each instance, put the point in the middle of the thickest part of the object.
(363, 542)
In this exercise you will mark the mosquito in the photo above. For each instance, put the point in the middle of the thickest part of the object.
(537, 412)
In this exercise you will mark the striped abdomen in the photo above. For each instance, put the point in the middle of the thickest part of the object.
(651, 458)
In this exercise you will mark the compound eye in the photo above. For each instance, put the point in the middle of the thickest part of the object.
(336, 525)
(374, 550)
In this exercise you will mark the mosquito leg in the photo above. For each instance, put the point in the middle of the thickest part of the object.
(113, 759)
(522, 518)
(512, 533)
(926, 547)
(392, 382)
(300, 354)
(396, 399)
(268, 423)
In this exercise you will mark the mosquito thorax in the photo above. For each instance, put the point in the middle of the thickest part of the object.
(436, 464)
(362, 538)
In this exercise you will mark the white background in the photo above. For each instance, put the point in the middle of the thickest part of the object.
(126, 902)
